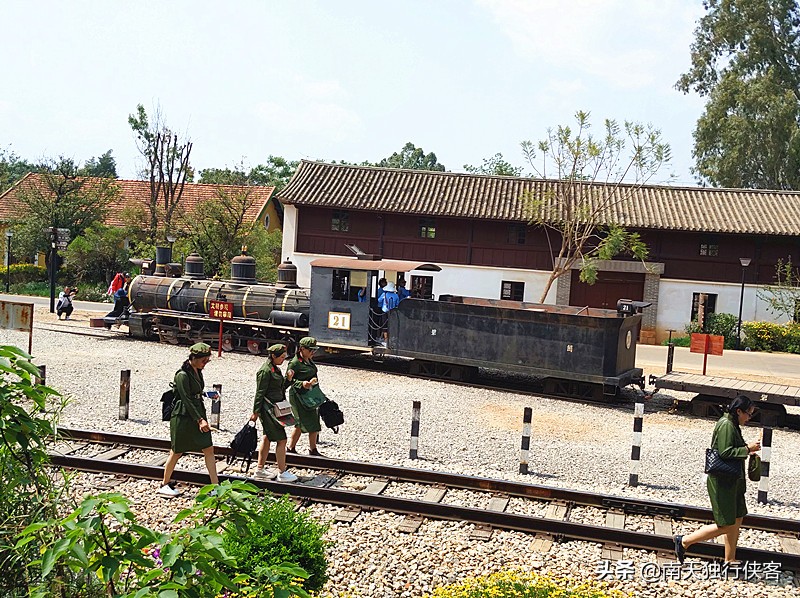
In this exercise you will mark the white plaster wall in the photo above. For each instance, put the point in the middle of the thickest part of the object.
(675, 303)
(289, 239)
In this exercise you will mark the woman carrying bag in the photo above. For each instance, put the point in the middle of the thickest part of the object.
(188, 426)
(726, 491)
(304, 395)
(270, 394)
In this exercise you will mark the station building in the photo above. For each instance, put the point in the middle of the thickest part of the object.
(476, 228)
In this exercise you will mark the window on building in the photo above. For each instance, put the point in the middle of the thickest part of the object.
(516, 234)
(427, 228)
(513, 291)
(703, 304)
(421, 287)
(340, 221)
(709, 249)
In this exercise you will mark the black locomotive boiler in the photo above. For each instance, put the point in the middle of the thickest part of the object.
(578, 351)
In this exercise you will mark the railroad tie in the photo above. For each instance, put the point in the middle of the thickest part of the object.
(111, 453)
(766, 455)
(611, 551)
(636, 444)
(348, 514)
(411, 523)
(662, 526)
(557, 509)
(484, 532)
(789, 543)
(524, 451)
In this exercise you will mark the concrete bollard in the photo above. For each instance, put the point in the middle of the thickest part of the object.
(124, 393)
(636, 445)
(527, 418)
(766, 454)
(216, 407)
(415, 411)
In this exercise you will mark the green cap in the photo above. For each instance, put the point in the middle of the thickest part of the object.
(308, 342)
(200, 350)
(277, 349)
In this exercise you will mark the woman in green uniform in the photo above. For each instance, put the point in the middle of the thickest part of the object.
(271, 389)
(303, 375)
(726, 493)
(188, 428)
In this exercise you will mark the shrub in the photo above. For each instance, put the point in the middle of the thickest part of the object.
(719, 324)
(282, 535)
(768, 336)
(22, 273)
(679, 341)
(512, 584)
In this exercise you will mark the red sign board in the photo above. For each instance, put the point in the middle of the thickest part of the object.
(221, 310)
(707, 343)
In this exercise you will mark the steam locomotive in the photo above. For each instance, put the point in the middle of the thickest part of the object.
(579, 352)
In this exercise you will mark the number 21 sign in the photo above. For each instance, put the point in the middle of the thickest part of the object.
(338, 320)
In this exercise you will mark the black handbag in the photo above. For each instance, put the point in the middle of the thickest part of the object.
(244, 445)
(331, 414)
(717, 466)
(167, 404)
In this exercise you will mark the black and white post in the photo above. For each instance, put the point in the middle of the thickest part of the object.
(42, 377)
(124, 393)
(636, 445)
(415, 410)
(766, 454)
(216, 407)
(527, 418)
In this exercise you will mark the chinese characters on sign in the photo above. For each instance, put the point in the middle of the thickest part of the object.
(651, 572)
(220, 310)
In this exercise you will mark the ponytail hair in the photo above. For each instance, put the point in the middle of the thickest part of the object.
(742, 403)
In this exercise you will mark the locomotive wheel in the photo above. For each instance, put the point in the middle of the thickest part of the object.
(254, 347)
(169, 336)
(228, 342)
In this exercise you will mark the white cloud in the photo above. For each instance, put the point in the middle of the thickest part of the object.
(628, 44)
(318, 108)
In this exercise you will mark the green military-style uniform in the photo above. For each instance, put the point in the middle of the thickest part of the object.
(184, 431)
(270, 389)
(307, 418)
(727, 493)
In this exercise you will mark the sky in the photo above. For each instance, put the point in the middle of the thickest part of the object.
(341, 79)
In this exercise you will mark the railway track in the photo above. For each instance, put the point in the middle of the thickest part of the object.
(507, 505)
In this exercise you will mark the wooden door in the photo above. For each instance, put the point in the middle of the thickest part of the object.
(609, 288)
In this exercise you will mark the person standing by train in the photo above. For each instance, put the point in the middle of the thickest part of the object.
(271, 389)
(188, 426)
(302, 372)
(726, 493)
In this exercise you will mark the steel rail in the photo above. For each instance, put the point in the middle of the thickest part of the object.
(443, 511)
(453, 480)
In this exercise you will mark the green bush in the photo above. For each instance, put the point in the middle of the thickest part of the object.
(22, 273)
(768, 336)
(719, 324)
(678, 341)
(282, 535)
(512, 584)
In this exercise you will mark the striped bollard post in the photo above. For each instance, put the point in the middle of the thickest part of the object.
(216, 407)
(526, 440)
(42, 377)
(636, 447)
(766, 453)
(124, 393)
(415, 410)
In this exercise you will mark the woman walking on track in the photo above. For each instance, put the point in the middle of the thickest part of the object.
(188, 428)
(303, 375)
(271, 389)
(726, 493)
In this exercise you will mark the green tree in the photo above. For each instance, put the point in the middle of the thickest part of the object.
(496, 165)
(60, 198)
(98, 254)
(590, 177)
(12, 168)
(746, 61)
(413, 158)
(104, 166)
(276, 172)
(167, 168)
(783, 296)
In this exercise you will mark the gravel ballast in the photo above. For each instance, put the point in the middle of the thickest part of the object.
(462, 430)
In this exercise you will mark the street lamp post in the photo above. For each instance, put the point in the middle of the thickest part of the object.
(744, 261)
(171, 239)
(9, 234)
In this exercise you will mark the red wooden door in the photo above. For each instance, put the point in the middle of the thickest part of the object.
(610, 287)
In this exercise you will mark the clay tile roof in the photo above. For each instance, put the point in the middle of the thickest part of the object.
(136, 193)
(501, 198)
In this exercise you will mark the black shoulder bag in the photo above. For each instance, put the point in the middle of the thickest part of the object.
(717, 466)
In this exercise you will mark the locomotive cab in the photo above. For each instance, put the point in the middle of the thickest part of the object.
(344, 307)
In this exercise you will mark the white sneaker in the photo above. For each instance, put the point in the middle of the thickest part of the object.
(169, 491)
(66, 318)
(286, 476)
(263, 474)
